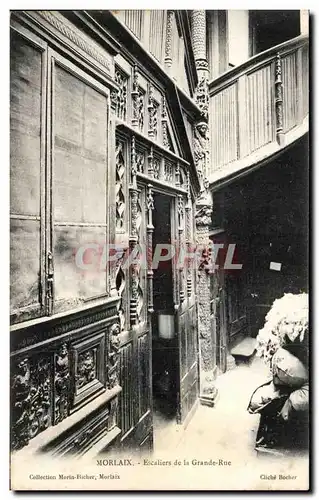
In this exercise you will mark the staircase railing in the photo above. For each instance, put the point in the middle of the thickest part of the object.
(257, 106)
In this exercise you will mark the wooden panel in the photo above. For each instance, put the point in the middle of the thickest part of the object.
(191, 337)
(143, 374)
(188, 391)
(25, 171)
(80, 151)
(157, 19)
(79, 186)
(83, 437)
(259, 108)
(133, 20)
(25, 126)
(305, 81)
(141, 307)
(24, 262)
(225, 127)
(183, 343)
(88, 368)
(289, 80)
(126, 382)
(71, 282)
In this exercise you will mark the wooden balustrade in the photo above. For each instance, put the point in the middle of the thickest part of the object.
(255, 106)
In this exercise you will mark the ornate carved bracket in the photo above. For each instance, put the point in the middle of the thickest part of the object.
(200, 149)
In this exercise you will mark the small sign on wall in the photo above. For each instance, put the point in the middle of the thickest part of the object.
(275, 266)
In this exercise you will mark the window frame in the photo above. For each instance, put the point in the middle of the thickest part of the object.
(50, 59)
(38, 309)
(55, 59)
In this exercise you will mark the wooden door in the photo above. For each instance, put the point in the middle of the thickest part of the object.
(237, 318)
(186, 320)
(219, 318)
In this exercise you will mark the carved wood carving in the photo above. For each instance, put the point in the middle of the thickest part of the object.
(168, 171)
(120, 104)
(135, 96)
(114, 348)
(75, 36)
(30, 393)
(181, 237)
(140, 162)
(61, 384)
(167, 143)
(150, 230)
(152, 107)
(120, 204)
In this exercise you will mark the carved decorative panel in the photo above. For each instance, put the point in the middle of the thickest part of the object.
(88, 367)
(121, 288)
(140, 161)
(166, 138)
(121, 96)
(153, 109)
(114, 353)
(140, 292)
(156, 167)
(48, 385)
(30, 396)
(140, 108)
(154, 119)
(120, 185)
(168, 171)
(61, 384)
(182, 178)
(77, 37)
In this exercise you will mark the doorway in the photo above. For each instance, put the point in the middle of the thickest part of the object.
(165, 360)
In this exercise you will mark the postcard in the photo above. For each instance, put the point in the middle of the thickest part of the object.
(159, 226)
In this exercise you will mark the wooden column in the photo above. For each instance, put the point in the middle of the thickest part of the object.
(207, 336)
(133, 240)
(149, 232)
(169, 40)
(279, 101)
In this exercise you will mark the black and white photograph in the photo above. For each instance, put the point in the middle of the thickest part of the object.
(159, 250)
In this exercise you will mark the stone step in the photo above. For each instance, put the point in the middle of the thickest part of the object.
(244, 348)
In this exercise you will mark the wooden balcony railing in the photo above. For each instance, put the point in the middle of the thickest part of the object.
(258, 107)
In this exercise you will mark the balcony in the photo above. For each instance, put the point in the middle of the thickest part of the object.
(257, 109)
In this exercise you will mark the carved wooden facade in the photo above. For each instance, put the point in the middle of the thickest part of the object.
(109, 111)
(99, 134)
